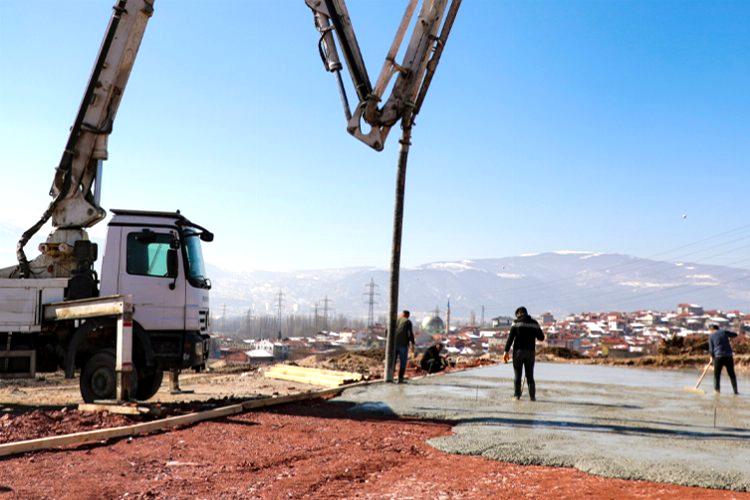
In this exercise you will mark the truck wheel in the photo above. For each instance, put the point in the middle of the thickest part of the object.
(149, 382)
(98, 378)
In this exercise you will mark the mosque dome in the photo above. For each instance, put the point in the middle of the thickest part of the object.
(433, 324)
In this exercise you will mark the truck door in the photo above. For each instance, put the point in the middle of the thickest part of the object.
(151, 270)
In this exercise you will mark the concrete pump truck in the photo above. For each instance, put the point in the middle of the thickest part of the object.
(148, 311)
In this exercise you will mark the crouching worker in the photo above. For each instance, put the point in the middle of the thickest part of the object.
(524, 333)
(432, 361)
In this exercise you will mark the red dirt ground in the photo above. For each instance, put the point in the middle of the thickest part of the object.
(37, 423)
(314, 449)
(43, 423)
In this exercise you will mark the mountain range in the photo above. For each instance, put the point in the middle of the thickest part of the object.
(560, 282)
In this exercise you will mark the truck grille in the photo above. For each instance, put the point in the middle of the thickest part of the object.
(203, 319)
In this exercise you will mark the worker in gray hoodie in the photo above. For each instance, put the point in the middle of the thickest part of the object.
(722, 356)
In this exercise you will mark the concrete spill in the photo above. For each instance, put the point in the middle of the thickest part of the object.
(614, 422)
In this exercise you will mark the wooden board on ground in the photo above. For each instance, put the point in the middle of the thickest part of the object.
(313, 376)
(123, 409)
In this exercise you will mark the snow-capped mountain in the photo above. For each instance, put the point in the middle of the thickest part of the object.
(560, 282)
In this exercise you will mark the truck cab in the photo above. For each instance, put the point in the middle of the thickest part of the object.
(157, 259)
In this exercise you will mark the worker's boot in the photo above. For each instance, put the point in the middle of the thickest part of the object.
(175, 380)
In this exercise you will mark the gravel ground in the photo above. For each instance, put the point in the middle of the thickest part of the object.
(53, 390)
(614, 422)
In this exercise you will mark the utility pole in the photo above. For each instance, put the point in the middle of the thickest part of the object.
(279, 309)
(481, 322)
(370, 294)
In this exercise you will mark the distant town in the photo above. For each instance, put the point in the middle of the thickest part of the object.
(593, 334)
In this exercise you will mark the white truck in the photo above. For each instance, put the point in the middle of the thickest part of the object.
(148, 311)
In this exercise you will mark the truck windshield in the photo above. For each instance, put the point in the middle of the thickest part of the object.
(196, 268)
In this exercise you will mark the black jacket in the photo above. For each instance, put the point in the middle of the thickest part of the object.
(431, 354)
(718, 343)
(523, 334)
(404, 332)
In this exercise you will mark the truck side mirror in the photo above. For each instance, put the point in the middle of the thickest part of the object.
(172, 264)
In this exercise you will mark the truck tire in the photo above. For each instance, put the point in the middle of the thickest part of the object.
(98, 378)
(149, 382)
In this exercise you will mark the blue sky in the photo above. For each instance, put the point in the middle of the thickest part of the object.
(589, 125)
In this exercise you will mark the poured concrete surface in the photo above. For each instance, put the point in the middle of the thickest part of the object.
(616, 422)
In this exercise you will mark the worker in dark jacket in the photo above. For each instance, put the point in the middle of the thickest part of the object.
(524, 333)
(404, 338)
(721, 353)
(432, 361)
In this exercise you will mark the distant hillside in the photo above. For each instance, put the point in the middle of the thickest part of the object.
(559, 282)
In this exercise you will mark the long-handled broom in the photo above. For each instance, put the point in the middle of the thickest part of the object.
(697, 389)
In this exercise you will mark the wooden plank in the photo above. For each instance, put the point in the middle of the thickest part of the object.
(102, 435)
(322, 376)
(302, 379)
(317, 371)
(337, 373)
(305, 377)
(115, 408)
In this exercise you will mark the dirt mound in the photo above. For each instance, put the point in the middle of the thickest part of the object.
(365, 362)
(369, 363)
(560, 352)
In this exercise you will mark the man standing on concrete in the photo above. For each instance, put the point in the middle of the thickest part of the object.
(523, 336)
(722, 355)
(404, 338)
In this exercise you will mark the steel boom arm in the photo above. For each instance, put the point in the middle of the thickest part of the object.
(415, 71)
(74, 204)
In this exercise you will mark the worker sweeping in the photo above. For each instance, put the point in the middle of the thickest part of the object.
(721, 353)
(524, 333)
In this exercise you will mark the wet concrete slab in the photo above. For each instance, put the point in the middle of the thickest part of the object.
(615, 422)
